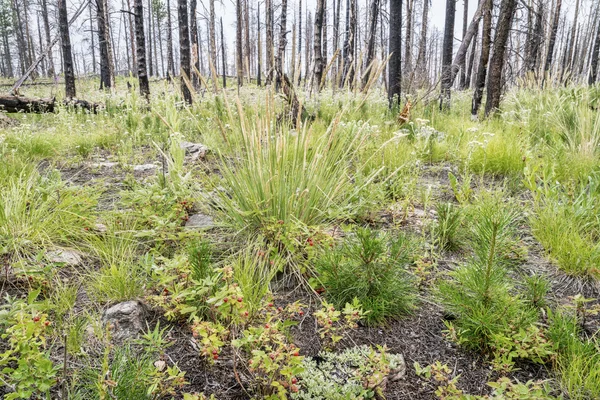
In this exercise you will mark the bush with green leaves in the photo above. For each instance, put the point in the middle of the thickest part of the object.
(479, 293)
(370, 266)
(355, 373)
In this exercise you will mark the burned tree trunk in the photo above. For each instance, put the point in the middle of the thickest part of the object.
(223, 57)
(447, 54)
(184, 49)
(485, 56)
(282, 44)
(63, 23)
(552, 40)
(420, 64)
(595, 58)
(318, 68)
(170, 61)
(463, 64)
(395, 49)
(142, 72)
(374, 18)
(350, 43)
(107, 77)
(507, 12)
(238, 44)
(269, 40)
(195, 61)
(51, 70)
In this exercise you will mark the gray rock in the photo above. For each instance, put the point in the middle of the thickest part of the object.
(104, 164)
(145, 167)
(125, 319)
(194, 150)
(200, 221)
(63, 256)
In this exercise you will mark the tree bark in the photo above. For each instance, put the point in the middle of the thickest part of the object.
(572, 40)
(247, 52)
(447, 54)
(14, 104)
(409, 37)
(507, 12)
(259, 48)
(195, 49)
(318, 68)
(213, 35)
(282, 44)
(142, 72)
(421, 64)
(239, 44)
(350, 44)
(486, 40)
(223, 57)
(51, 71)
(107, 77)
(593, 78)
(532, 49)
(63, 23)
(552, 40)
(184, 48)
(170, 60)
(299, 42)
(463, 65)
(132, 36)
(374, 18)
(269, 41)
(395, 49)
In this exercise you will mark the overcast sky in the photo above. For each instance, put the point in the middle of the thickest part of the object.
(226, 8)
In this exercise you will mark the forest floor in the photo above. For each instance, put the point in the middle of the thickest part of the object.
(219, 250)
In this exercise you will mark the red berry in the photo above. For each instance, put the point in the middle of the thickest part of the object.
(36, 318)
(267, 326)
(270, 304)
(294, 381)
(294, 388)
(301, 313)
(216, 357)
(47, 323)
(296, 353)
(225, 300)
(239, 299)
(215, 352)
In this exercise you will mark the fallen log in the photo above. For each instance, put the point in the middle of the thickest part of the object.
(14, 104)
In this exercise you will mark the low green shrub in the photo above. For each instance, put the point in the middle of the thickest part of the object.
(372, 267)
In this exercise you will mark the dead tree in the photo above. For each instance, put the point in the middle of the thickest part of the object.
(447, 54)
(318, 66)
(63, 23)
(142, 72)
(107, 74)
(486, 40)
(170, 61)
(374, 18)
(507, 12)
(395, 50)
(184, 49)
(595, 56)
(552, 40)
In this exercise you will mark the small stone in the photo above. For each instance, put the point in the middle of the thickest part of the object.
(145, 167)
(64, 256)
(160, 365)
(201, 221)
(126, 319)
(194, 150)
(100, 228)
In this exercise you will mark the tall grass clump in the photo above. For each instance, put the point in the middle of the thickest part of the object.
(565, 221)
(578, 359)
(294, 176)
(372, 267)
(479, 293)
(38, 211)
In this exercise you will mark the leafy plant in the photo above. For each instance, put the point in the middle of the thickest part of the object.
(445, 231)
(332, 326)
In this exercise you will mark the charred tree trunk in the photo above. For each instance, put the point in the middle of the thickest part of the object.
(247, 52)
(282, 44)
(532, 50)
(63, 24)
(238, 44)
(507, 12)
(93, 46)
(374, 18)
(141, 50)
(149, 59)
(552, 40)
(486, 40)
(395, 49)
(318, 68)
(447, 54)
(194, 38)
(107, 77)
(572, 40)
(259, 48)
(132, 36)
(170, 61)
(350, 44)
(184, 49)
(299, 42)
(409, 37)
(593, 78)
